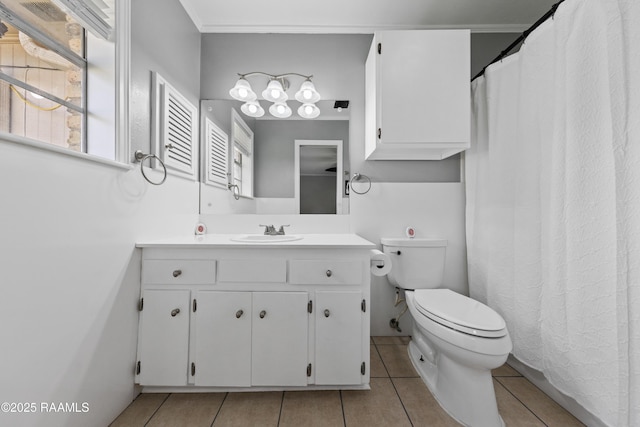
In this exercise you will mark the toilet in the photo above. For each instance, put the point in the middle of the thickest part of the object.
(456, 341)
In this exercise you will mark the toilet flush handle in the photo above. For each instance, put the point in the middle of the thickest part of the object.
(396, 252)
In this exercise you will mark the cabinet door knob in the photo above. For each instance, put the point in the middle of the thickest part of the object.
(262, 314)
(176, 273)
(329, 273)
(239, 314)
(175, 312)
(327, 313)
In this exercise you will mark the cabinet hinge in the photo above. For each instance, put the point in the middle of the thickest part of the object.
(141, 304)
(379, 48)
(363, 306)
(310, 306)
(195, 305)
(138, 368)
(193, 369)
(379, 133)
(363, 368)
(309, 370)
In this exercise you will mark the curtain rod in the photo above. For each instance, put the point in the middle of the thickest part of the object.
(522, 37)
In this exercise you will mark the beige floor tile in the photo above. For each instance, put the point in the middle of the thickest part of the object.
(422, 407)
(256, 409)
(394, 340)
(140, 410)
(505, 371)
(311, 409)
(188, 409)
(379, 406)
(377, 367)
(539, 403)
(396, 360)
(513, 412)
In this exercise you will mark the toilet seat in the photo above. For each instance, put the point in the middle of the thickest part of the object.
(455, 311)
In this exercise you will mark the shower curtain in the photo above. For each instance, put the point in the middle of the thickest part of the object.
(553, 202)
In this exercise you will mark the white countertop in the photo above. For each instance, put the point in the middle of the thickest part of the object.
(214, 241)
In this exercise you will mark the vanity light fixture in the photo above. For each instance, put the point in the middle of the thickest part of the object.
(276, 92)
(308, 93)
(242, 91)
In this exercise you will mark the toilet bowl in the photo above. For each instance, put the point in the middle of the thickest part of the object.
(456, 341)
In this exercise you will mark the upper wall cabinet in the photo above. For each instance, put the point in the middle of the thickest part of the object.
(417, 95)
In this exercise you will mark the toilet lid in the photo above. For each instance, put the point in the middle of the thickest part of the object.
(458, 312)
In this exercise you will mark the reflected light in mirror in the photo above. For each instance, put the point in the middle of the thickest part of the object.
(308, 111)
(280, 110)
(252, 109)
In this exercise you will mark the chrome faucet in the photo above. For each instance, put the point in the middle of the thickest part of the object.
(270, 230)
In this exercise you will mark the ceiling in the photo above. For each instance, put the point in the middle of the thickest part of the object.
(362, 16)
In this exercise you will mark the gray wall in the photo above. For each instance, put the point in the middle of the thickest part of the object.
(337, 64)
(165, 41)
(487, 46)
(274, 151)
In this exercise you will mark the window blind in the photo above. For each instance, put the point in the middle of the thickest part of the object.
(97, 16)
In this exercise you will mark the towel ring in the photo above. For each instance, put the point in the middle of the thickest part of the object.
(235, 190)
(141, 157)
(357, 177)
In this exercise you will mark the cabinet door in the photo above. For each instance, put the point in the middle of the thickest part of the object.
(223, 339)
(338, 337)
(163, 345)
(279, 336)
(423, 86)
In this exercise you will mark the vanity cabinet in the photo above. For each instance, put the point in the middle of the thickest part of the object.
(245, 339)
(338, 351)
(417, 99)
(247, 318)
(163, 343)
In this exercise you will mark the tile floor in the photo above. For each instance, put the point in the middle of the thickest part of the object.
(398, 397)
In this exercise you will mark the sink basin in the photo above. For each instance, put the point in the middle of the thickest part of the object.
(264, 238)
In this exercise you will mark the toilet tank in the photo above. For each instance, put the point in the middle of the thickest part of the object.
(416, 263)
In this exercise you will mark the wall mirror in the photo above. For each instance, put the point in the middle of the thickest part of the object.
(263, 166)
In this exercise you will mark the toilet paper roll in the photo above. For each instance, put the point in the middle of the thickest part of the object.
(380, 263)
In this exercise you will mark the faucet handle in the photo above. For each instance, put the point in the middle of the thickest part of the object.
(267, 228)
(281, 230)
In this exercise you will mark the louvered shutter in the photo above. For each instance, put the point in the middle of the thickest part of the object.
(96, 16)
(217, 145)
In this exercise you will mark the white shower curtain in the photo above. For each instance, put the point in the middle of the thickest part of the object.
(553, 202)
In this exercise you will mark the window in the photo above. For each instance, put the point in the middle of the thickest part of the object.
(44, 66)
(242, 160)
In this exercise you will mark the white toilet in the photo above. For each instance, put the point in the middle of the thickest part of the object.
(456, 341)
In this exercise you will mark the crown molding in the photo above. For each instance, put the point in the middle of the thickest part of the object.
(331, 29)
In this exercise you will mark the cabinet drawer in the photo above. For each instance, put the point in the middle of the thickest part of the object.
(257, 270)
(321, 272)
(178, 272)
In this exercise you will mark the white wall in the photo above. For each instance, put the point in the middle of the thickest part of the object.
(71, 274)
(435, 210)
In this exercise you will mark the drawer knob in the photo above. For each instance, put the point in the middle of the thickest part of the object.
(329, 273)
(239, 314)
(177, 273)
(175, 312)
(262, 314)
(327, 313)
